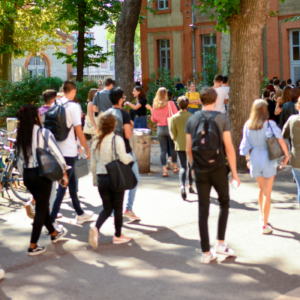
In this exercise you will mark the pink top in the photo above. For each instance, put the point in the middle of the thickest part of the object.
(160, 115)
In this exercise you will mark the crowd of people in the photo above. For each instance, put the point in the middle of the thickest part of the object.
(200, 138)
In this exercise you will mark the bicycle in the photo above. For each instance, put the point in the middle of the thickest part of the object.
(10, 177)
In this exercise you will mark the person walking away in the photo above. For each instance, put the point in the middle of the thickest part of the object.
(178, 124)
(194, 98)
(278, 95)
(140, 110)
(271, 104)
(161, 111)
(213, 172)
(101, 100)
(179, 86)
(31, 136)
(112, 200)
(276, 83)
(225, 85)
(222, 93)
(282, 85)
(289, 83)
(124, 128)
(49, 97)
(289, 108)
(90, 112)
(254, 147)
(69, 148)
(291, 130)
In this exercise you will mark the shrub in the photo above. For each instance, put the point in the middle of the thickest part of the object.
(83, 89)
(165, 80)
(29, 90)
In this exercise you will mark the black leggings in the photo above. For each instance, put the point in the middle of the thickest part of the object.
(40, 188)
(112, 200)
(204, 181)
(183, 168)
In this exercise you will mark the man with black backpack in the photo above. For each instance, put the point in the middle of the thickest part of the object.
(64, 121)
(208, 139)
(124, 128)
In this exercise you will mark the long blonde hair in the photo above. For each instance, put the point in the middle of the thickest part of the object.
(259, 114)
(161, 98)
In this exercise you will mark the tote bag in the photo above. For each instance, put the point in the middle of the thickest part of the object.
(88, 125)
(274, 149)
(49, 166)
(121, 175)
(169, 119)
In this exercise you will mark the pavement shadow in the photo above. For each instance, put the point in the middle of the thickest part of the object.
(265, 274)
(236, 205)
(296, 235)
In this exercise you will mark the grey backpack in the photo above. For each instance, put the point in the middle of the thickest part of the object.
(117, 113)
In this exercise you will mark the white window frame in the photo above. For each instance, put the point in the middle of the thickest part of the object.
(162, 4)
(35, 69)
(294, 64)
(167, 54)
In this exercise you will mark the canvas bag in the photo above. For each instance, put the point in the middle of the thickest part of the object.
(169, 119)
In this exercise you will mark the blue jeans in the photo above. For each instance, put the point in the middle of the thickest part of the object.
(72, 189)
(296, 173)
(131, 193)
(140, 122)
(192, 110)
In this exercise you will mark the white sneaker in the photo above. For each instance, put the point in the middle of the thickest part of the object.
(2, 274)
(206, 258)
(267, 229)
(121, 240)
(93, 237)
(223, 249)
(57, 227)
(83, 218)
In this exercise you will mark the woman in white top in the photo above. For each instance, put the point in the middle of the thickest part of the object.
(29, 128)
(101, 156)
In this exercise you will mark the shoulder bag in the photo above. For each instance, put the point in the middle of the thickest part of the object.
(88, 125)
(49, 166)
(169, 119)
(121, 175)
(274, 149)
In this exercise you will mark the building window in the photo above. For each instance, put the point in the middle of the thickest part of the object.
(296, 45)
(209, 46)
(75, 36)
(164, 54)
(37, 66)
(163, 5)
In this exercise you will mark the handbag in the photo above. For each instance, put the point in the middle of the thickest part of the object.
(81, 168)
(274, 149)
(169, 119)
(49, 166)
(88, 126)
(121, 175)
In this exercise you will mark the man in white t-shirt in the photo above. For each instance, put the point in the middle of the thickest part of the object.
(69, 149)
(222, 99)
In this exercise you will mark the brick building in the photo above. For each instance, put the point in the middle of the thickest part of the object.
(175, 37)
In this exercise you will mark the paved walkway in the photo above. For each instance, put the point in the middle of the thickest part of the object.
(163, 260)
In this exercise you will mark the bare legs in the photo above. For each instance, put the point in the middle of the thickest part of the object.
(265, 186)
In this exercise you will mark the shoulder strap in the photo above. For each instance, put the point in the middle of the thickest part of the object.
(213, 114)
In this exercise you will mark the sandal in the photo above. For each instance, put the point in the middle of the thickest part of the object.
(165, 174)
(176, 170)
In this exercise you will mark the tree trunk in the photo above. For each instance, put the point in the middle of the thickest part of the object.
(246, 31)
(6, 59)
(80, 43)
(124, 48)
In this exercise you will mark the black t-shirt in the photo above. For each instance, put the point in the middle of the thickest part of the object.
(126, 120)
(271, 109)
(142, 111)
(179, 86)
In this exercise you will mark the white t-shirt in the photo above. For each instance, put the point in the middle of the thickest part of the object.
(227, 88)
(69, 147)
(222, 96)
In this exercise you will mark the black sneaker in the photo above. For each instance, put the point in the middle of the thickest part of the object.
(183, 194)
(59, 236)
(36, 251)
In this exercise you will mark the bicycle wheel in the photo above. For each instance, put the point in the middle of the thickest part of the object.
(17, 184)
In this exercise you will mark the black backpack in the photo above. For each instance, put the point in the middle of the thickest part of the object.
(207, 144)
(56, 121)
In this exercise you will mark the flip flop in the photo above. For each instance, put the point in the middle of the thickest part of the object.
(176, 170)
(165, 174)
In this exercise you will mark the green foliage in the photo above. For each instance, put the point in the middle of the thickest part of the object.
(29, 90)
(264, 83)
(211, 67)
(83, 89)
(165, 80)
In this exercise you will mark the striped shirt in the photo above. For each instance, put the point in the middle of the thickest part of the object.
(39, 142)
